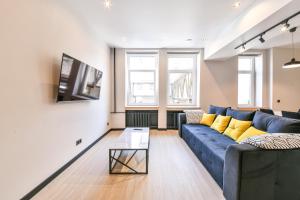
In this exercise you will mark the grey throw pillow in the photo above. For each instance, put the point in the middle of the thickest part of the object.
(193, 116)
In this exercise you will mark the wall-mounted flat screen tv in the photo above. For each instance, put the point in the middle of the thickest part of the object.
(78, 81)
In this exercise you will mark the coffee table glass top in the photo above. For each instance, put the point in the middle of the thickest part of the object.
(133, 138)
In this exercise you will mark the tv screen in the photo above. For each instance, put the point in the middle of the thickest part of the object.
(78, 81)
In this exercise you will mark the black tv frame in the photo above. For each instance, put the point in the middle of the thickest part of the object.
(82, 97)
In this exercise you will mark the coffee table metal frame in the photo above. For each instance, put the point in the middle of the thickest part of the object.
(112, 158)
(112, 153)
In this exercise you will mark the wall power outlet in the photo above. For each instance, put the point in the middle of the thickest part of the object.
(78, 141)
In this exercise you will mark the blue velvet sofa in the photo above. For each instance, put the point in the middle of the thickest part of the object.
(245, 172)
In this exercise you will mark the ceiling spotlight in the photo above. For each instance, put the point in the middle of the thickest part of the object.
(242, 49)
(236, 4)
(107, 3)
(261, 39)
(285, 27)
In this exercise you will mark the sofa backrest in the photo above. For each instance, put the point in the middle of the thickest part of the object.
(292, 115)
(275, 124)
(268, 111)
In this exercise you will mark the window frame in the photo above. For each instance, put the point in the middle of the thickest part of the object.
(194, 72)
(252, 73)
(154, 54)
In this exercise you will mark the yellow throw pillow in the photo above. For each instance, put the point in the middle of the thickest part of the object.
(250, 132)
(207, 119)
(236, 128)
(221, 123)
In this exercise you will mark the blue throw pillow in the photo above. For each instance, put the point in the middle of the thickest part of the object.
(275, 124)
(262, 120)
(217, 110)
(284, 125)
(240, 115)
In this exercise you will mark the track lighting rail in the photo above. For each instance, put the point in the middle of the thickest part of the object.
(285, 21)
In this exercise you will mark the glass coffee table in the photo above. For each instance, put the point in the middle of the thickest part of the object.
(130, 153)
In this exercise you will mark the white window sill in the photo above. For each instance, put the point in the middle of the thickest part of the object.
(246, 107)
(141, 107)
(183, 107)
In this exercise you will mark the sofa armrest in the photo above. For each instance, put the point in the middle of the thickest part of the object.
(253, 173)
(181, 121)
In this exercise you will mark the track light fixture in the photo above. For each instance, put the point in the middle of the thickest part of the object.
(243, 48)
(261, 39)
(236, 4)
(285, 27)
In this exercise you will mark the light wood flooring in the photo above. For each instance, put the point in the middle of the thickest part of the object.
(174, 174)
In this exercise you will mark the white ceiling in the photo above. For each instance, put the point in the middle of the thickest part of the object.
(158, 23)
(211, 24)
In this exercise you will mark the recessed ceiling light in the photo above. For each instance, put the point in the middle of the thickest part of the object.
(189, 40)
(236, 4)
(107, 3)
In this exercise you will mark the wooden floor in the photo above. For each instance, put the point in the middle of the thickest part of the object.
(174, 173)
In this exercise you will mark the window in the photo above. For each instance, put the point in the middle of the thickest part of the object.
(182, 79)
(142, 79)
(250, 81)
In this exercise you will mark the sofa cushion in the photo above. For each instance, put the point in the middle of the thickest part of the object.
(236, 128)
(209, 146)
(217, 110)
(275, 141)
(262, 120)
(240, 115)
(221, 123)
(268, 111)
(275, 124)
(250, 132)
(292, 115)
(208, 119)
(193, 116)
(284, 125)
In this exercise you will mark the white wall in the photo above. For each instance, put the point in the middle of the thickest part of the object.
(118, 118)
(218, 83)
(286, 82)
(38, 135)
